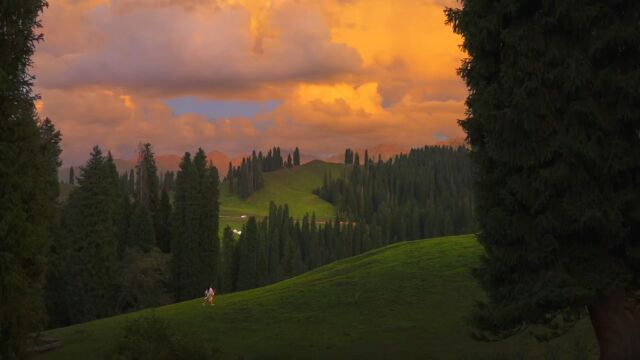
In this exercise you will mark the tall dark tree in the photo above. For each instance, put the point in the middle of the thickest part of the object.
(348, 156)
(296, 157)
(29, 158)
(72, 176)
(88, 247)
(163, 228)
(248, 256)
(553, 123)
(141, 230)
(228, 262)
(147, 180)
(229, 178)
(195, 244)
(289, 161)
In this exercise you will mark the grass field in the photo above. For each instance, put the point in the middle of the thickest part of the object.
(285, 186)
(408, 300)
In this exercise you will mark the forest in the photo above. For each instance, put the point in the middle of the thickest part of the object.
(137, 241)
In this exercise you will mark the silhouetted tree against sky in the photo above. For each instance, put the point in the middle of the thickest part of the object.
(29, 158)
(553, 122)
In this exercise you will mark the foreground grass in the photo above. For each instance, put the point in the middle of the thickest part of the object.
(285, 186)
(408, 300)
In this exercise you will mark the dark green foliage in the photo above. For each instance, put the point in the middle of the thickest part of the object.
(29, 158)
(163, 227)
(144, 280)
(86, 251)
(425, 193)
(289, 163)
(141, 232)
(132, 180)
(247, 177)
(553, 123)
(72, 176)
(228, 262)
(348, 156)
(229, 178)
(248, 256)
(296, 157)
(147, 181)
(150, 337)
(195, 244)
(168, 181)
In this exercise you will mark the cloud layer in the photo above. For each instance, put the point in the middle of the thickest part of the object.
(345, 73)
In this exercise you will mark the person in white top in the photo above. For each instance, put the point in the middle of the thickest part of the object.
(209, 296)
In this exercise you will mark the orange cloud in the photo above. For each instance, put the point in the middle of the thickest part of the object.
(347, 72)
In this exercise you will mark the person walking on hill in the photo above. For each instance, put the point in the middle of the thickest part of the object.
(209, 296)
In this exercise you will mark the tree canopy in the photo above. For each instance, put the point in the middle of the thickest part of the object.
(553, 122)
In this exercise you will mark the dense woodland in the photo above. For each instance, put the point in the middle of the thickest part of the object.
(247, 177)
(117, 250)
(421, 194)
(425, 193)
(133, 241)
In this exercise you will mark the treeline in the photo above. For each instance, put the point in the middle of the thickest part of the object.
(116, 249)
(421, 194)
(425, 193)
(247, 177)
(128, 180)
(278, 247)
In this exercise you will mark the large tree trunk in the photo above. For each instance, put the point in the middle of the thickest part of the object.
(616, 322)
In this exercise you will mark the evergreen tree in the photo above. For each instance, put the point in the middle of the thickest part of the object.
(229, 262)
(29, 158)
(72, 176)
(248, 256)
(148, 183)
(184, 231)
(229, 178)
(132, 181)
(348, 156)
(558, 207)
(163, 235)
(195, 243)
(141, 232)
(296, 157)
(89, 264)
(289, 161)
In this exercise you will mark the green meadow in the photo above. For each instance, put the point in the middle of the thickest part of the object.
(407, 300)
(285, 186)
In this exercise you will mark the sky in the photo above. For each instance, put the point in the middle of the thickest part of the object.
(237, 75)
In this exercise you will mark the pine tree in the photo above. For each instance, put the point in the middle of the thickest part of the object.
(90, 262)
(248, 256)
(72, 176)
(141, 231)
(148, 182)
(163, 235)
(29, 158)
(229, 178)
(228, 263)
(296, 157)
(289, 161)
(558, 207)
(132, 181)
(195, 243)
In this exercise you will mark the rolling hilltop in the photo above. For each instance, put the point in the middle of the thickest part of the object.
(406, 300)
(285, 186)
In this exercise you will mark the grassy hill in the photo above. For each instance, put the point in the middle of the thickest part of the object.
(291, 186)
(408, 300)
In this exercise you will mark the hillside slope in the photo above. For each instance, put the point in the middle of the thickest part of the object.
(285, 186)
(408, 300)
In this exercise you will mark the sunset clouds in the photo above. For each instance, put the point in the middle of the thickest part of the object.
(343, 73)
